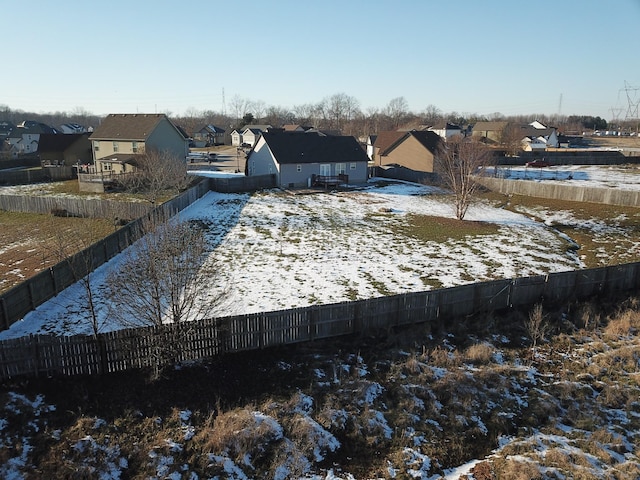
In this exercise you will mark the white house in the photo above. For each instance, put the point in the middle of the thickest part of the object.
(537, 136)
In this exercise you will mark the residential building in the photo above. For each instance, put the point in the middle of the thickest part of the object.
(304, 159)
(120, 137)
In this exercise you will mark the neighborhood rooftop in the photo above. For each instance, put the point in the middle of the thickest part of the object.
(128, 126)
(291, 147)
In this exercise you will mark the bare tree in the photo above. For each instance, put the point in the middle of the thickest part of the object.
(162, 278)
(165, 281)
(432, 115)
(397, 110)
(457, 162)
(511, 138)
(157, 173)
(72, 246)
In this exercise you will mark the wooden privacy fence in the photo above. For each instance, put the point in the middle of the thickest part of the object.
(152, 346)
(16, 302)
(75, 207)
(243, 183)
(574, 193)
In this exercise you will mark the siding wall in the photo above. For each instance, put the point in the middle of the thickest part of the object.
(410, 154)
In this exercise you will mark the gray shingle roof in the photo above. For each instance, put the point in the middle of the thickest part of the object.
(292, 147)
(127, 126)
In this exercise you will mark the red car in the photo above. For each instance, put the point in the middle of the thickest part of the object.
(538, 163)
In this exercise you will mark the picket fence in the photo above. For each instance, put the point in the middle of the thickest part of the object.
(120, 350)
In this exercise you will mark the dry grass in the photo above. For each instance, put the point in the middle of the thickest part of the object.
(479, 354)
(32, 242)
(442, 397)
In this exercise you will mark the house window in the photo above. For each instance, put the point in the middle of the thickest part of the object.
(115, 146)
(96, 145)
(134, 147)
(341, 168)
(352, 166)
(298, 168)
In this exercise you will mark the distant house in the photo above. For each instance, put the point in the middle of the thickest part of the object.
(490, 132)
(70, 128)
(24, 138)
(446, 130)
(65, 150)
(208, 136)
(304, 159)
(369, 142)
(251, 133)
(5, 130)
(382, 141)
(415, 150)
(295, 128)
(120, 137)
(537, 136)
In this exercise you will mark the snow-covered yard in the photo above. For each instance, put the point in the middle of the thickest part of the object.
(277, 251)
(274, 251)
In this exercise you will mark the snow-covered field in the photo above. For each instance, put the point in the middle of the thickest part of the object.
(614, 176)
(277, 251)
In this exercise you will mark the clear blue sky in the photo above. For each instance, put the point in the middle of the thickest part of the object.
(507, 56)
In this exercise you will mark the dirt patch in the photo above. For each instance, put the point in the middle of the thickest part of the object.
(30, 243)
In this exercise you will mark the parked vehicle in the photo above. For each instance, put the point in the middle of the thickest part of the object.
(539, 163)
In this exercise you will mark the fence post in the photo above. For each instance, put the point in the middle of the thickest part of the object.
(5, 314)
(35, 354)
(312, 312)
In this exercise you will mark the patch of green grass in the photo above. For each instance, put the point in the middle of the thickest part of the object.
(434, 283)
(381, 287)
(429, 228)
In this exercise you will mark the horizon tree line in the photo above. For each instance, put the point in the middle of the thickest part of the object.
(340, 112)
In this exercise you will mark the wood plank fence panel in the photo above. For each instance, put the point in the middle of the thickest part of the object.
(333, 320)
(560, 286)
(527, 290)
(457, 301)
(419, 307)
(377, 313)
(492, 295)
(622, 277)
(590, 282)
(18, 357)
(42, 287)
(17, 302)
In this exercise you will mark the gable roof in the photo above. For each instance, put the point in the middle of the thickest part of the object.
(211, 129)
(129, 126)
(490, 126)
(291, 147)
(428, 139)
(261, 128)
(533, 132)
(387, 138)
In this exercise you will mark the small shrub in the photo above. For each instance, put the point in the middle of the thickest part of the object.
(479, 353)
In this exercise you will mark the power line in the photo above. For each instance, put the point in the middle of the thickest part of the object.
(632, 101)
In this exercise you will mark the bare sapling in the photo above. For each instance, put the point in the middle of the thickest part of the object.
(457, 162)
(165, 282)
